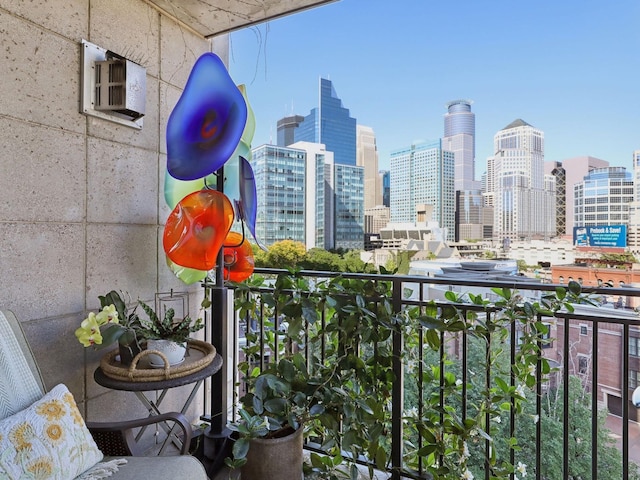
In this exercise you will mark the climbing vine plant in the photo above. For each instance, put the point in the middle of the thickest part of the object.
(346, 329)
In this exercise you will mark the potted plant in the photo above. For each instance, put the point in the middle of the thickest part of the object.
(313, 394)
(113, 323)
(167, 334)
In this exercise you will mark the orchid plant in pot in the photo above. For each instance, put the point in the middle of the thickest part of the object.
(113, 323)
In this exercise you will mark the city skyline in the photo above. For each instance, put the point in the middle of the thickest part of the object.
(567, 68)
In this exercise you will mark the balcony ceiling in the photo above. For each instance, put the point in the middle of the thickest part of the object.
(214, 17)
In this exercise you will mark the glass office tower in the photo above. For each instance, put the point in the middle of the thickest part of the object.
(460, 138)
(280, 188)
(421, 175)
(330, 124)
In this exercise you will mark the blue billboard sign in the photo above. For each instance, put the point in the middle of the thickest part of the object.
(600, 236)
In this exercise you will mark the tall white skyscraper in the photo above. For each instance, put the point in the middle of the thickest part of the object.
(367, 157)
(422, 175)
(460, 138)
(524, 198)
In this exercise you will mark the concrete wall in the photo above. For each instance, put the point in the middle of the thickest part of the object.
(81, 199)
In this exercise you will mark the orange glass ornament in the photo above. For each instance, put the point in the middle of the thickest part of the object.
(237, 257)
(196, 229)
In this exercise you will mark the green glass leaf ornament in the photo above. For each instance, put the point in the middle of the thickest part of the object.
(187, 275)
(175, 190)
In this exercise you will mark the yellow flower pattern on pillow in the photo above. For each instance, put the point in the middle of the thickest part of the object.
(48, 440)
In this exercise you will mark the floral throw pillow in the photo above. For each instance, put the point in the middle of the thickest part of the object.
(48, 440)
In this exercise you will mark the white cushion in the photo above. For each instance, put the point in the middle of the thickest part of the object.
(49, 439)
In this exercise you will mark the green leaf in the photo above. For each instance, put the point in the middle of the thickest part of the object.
(240, 448)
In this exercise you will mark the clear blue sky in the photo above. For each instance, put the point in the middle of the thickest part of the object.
(568, 67)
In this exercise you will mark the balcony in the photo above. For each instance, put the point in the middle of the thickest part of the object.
(457, 351)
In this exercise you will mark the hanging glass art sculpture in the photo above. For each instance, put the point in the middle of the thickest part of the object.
(187, 275)
(207, 123)
(238, 258)
(196, 229)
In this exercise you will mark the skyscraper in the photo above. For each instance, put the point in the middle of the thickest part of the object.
(603, 197)
(286, 127)
(367, 157)
(280, 174)
(576, 168)
(459, 138)
(524, 199)
(330, 124)
(422, 175)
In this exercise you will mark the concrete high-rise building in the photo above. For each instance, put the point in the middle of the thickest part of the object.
(576, 168)
(603, 197)
(423, 174)
(280, 175)
(523, 197)
(319, 198)
(330, 124)
(286, 128)
(295, 188)
(460, 138)
(469, 215)
(367, 158)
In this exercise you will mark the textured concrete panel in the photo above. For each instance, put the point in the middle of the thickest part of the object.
(58, 353)
(121, 257)
(169, 96)
(42, 269)
(146, 138)
(50, 166)
(69, 18)
(40, 75)
(122, 183)
(179, 50)
(127, 28)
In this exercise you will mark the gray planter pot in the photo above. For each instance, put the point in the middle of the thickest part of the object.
(275, 458)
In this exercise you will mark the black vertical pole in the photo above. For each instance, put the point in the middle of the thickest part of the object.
(217, 434)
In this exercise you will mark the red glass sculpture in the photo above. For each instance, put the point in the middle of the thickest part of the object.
(196, 229)
(238, 258)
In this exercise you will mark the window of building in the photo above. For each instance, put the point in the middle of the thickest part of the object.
(634, 379)
(583, 329)
(634, 343)
(583, 364)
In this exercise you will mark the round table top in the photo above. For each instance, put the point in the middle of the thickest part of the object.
(147, 386)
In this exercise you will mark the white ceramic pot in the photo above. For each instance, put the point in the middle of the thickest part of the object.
(172, 350)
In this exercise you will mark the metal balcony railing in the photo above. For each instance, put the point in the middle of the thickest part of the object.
(582, 422)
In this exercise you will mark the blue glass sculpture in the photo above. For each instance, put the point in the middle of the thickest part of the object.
(207, 123)
(249, 198)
